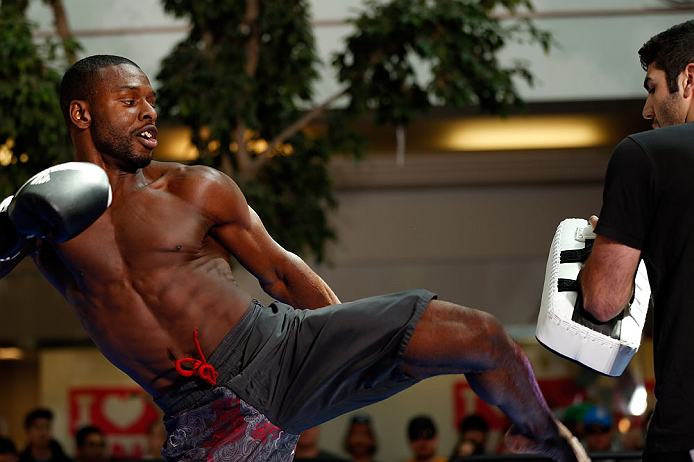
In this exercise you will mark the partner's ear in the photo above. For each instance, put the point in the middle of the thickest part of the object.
(688, 83)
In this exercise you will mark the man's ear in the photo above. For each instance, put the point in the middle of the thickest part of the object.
(79, 114)
(688, 83)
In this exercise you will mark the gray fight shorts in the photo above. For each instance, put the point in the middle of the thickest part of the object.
(285, 370)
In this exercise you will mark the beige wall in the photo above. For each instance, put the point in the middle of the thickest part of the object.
(19, 392)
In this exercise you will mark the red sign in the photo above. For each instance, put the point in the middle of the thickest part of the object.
(122, 414)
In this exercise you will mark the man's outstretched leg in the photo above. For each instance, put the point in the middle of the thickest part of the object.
(452, 339)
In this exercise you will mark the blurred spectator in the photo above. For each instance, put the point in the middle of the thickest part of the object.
(8, 451)
(308, 448)
(360, 440)
(424, 440)
(41, 447)
(472, 437)
(156, 437)
(573, 418)
(598, 430)
(90, 445)
(635, 438)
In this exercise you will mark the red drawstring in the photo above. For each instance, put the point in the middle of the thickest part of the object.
(201, 368)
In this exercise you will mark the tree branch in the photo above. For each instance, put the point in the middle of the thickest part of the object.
(243, 158)
(250, 19)
(63, 29)
(295, 127)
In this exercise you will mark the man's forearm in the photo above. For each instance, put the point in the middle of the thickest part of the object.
(602, 301)
(29, 246)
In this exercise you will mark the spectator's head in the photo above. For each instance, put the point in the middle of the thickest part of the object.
(156, 437)
(472, 436)
(573, 418)
(360, 440)
(90, 444)
(37, 425)
(423, 438)
(597, 429)
(307, 446)
(474, 428)
(8, 451)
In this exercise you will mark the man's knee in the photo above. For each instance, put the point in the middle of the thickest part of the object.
(455, 332)
(493, 340)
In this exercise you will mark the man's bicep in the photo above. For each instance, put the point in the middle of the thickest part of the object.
(249, 242)
(239, 229)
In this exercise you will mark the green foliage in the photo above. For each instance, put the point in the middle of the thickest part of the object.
(204, 80)
(293, 193)
(246, 71)
(457, 39)
(31, 121)
(207, 82)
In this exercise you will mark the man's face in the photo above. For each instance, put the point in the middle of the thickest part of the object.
(123, 116)
(662, 107)
(424, 447)
(39, 432)
(93, 449)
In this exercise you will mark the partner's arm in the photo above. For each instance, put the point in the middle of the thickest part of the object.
(607, 279)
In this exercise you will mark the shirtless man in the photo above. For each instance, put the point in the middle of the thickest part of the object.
(154, 267)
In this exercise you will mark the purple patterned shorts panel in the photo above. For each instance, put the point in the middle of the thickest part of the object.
(222, 427)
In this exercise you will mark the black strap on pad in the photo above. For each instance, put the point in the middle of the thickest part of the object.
(611, 328)
(577, 255)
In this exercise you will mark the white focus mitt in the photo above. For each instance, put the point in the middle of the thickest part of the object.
(565, 328)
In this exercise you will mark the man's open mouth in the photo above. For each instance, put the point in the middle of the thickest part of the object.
(148, 137)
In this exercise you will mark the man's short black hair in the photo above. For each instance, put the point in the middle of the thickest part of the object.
(7, 446)
(670, 51)
(38, 413)
(78, 81)
(84, 432)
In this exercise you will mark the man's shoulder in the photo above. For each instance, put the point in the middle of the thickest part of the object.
(183, 179)
(178, 170)
(665, 136)
(207, 188)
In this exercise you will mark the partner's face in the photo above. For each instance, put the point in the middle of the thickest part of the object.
(123, 116)
(662, 107)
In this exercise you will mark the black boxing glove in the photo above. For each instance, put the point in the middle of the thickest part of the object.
(10, 240)
(61, 201)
